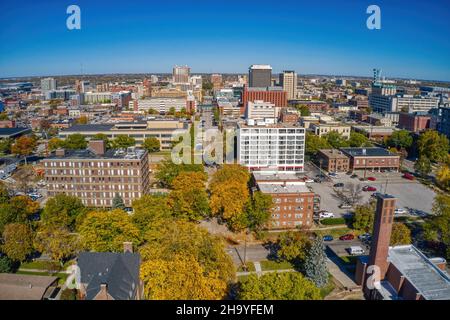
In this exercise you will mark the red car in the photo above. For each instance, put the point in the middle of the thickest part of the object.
(369, 188)
(347, 237)
(408, 176)
(371, 178)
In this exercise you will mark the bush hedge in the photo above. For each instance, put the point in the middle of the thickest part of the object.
(332, 221)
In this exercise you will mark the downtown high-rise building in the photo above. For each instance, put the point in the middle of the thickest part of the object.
(181, 74)
(288, 80)
(48, 84)
(260, 75)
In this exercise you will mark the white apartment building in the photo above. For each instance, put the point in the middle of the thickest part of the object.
(260, 110)
(96, 97)
(322, 129)
(271, 147)
(408, 103)
(162, 105)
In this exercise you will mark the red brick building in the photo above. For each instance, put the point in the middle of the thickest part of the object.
(293, 202)
(7, 124)
(414, 122)
(287, 116)
(398, 272)
(270, 94)
(371, 159)
(333, 160)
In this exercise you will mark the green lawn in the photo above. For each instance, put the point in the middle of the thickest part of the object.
(250, 267)
(275, 265)
(336, 233)
(62, 276)
(45, 265)
(328, 288)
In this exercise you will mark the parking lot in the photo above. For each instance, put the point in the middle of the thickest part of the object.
(410, 194)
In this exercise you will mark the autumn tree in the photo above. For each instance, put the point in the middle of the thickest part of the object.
(151, 211)
(23, 146)
(16, 210)
(151, 144)
(18, 241)
(57, 242)
(278, 286)
(55, 143)
(123, 141)
(230, 194)
(188, 198)
(82, 120)
(364, 216)
(258, 211)
(181, 278)
(105, 231)
(293, 246)
(400, 234)
(443, 176)
(433, 145)
(63, 210)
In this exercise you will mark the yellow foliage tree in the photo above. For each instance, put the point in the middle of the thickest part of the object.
(108, 230)
(443, 176)
(182, 278)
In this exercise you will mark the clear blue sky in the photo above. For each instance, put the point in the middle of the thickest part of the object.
(321, 36)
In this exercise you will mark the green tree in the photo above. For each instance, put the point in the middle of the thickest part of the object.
(5, 145)
(336, 140)
(55, 143)
(314, 143)
(166, 171)
(293, 247)
(189, 199)
(303, 109)
(258, 210)
(437, 228)
(315, 265)
(400, 139)
(423, 166)
(6, 265)
(18, 241)
(105, 231)
(433, 145)
(63, 210)
(75, 141)
(152, 144)
(123, 141)
(17, 210)
(278, 286)
(171, 111)
(400, 234)
(358, 140)
(364, 216)
(118, 202)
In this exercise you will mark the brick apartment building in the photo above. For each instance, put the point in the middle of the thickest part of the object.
(333, 160)
(287, 116)
(293, 202)
(96, 175)
(371, 159)
(405, 273)
(414, 122)
(274, 95)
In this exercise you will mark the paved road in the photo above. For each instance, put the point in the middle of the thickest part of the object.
(255, 252)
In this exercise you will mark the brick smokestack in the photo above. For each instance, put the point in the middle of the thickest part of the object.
(382, 228)
(97, 146)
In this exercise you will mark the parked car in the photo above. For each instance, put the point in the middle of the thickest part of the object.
(375, 194)
(332, 174)
(353, 176)
(326, 214)
(328, 238)
(345, 206)
(347, 237)
(309, 180)
(400, 211)
(338, 185)
(318, 180)
(349, 173)
(364, 236)
(369, 188)
(409, 176)
(371, 178)
(356, 250)
(362, 179)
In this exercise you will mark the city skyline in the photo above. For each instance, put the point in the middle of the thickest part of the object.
(329, 39)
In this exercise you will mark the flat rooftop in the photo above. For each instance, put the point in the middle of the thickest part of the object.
(431, 282)
(274, 188)
(109, 154)
(279, 176)
(367, 152)
(333, 153)
(12, 132)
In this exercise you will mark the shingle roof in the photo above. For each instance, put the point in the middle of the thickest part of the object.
(120, 271)
(24, 287)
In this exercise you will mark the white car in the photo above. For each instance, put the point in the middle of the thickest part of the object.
(309, 180)
(400, 211)
(356, 250)
(326, 214)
